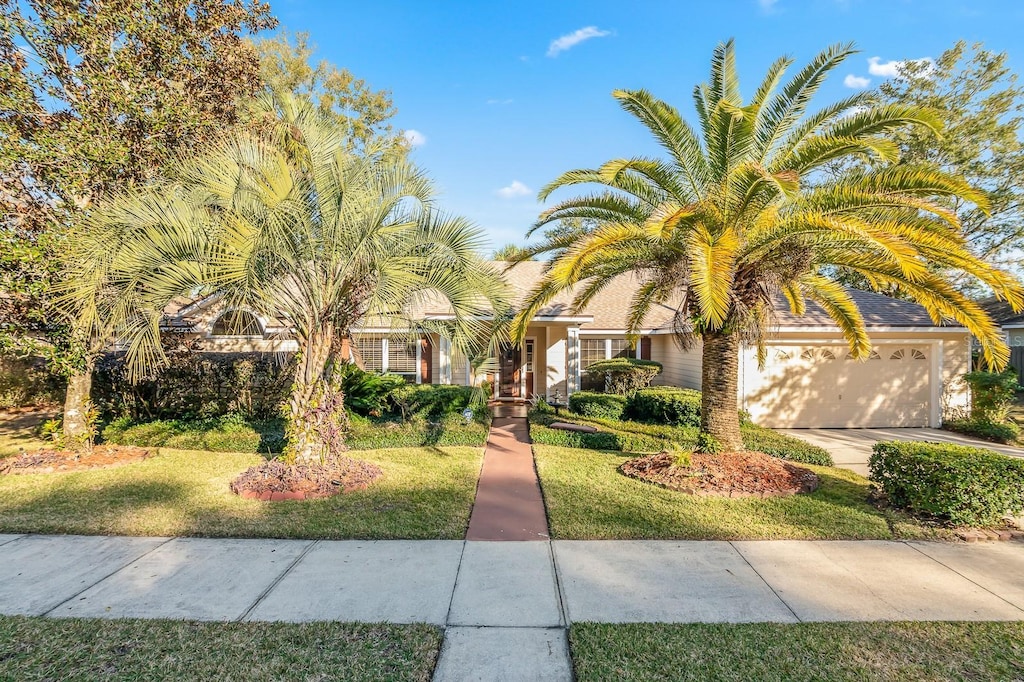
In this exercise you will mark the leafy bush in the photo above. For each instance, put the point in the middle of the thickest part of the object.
(366, 393)
(992, 393)
(603, 405)
(230, 433)
(967, 486)
(1007, 432)
(623, 376)
(196, 385)
(639, 437)
(665, 405)
(602, 440)
(431, 401)
(451, 431)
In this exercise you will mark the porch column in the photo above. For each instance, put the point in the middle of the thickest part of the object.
(445, 360)
(573, 360)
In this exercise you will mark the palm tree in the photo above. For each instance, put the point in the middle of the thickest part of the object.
(295, 225)
(740, 214)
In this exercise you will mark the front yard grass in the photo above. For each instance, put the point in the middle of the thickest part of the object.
(769, 652)
(80, 649)
(588, 499)
(425, 493)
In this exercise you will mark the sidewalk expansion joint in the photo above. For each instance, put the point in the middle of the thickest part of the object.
(277, 581)
(117, 570)
(455, 586)
(767, 584)
(563, 607)
(950, 568)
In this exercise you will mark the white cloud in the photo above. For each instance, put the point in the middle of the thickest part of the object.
(892, 69)
(767, 6)
(415, 138)
(570, 40)
(856, 82)
(516, 189)
(500, 101)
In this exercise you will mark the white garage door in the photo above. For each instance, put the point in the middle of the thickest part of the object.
(822, 387)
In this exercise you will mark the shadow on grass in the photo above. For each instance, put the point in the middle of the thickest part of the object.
(588, 498)
(424, 494)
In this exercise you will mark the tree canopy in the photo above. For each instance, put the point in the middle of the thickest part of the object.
(729, 224)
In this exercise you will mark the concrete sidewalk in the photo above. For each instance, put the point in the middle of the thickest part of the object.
(509, 602)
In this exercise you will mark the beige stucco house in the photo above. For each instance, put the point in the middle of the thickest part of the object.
(912, 378)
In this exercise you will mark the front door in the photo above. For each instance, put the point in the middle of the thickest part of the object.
(509, 366)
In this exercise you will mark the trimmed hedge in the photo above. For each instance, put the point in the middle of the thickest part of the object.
(1007, 432)
(623, 376)
(630, 436)
(665, 405)
(602, 440)
(601, 405)
(224, 434)
(27, 382)
(965, 485)
(434, 402)
(780, 445)
(452, 431)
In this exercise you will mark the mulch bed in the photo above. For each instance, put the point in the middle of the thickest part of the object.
(275, 480)
(50, 461)
(734, 474)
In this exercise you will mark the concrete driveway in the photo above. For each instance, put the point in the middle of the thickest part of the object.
(851, 448)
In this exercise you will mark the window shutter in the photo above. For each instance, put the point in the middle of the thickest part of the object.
(426, 361)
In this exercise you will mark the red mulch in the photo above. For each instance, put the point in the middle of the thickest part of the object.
(275, 480)
(734, 474)
(50, 461)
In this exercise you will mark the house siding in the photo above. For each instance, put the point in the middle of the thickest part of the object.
(681, 367)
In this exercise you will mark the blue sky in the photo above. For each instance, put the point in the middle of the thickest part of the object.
(504, 96)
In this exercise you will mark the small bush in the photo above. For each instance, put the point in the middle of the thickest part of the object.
(992, 393)
(623, 376)
(452, 431)
(665, 405)
(1007, 432)
(229, 433)
(431, 401)
(965, 485)
(366, 393)
(26, 382)
(601, 405)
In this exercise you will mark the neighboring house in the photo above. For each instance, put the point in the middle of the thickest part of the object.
(1012, 324)
(911, 379)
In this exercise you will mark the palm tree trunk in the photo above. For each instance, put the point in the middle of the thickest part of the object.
(719, 411)
(316, 417)
(76, 426)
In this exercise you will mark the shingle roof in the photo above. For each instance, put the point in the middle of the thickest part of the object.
(1001, 312)
(610, 308)
(878, 311)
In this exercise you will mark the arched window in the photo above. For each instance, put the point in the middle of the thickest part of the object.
(237, 323)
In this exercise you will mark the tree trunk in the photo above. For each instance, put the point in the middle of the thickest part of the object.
(317, 422)
(719, 411)
(77, 429)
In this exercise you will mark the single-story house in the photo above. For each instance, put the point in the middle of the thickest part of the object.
(1012, 324)
(911, 380)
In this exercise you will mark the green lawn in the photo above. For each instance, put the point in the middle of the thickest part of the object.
(829, 652)
(74, 649)
(587, 499)
(18, 431)
(425, 493)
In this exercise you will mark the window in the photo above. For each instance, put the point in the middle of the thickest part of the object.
(237, 323)
(898, 355)
(369, 351)
(620, 348)
(591, 350)
(402, 357)
(917, 354)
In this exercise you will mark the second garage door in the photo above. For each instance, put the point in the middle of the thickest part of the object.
(821, 386)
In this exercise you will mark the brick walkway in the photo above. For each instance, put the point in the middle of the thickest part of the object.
(508, 503)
